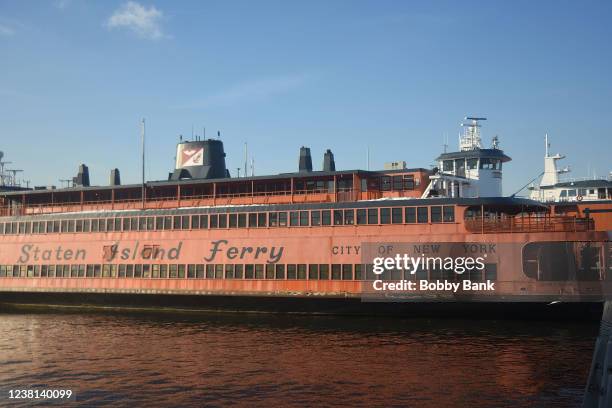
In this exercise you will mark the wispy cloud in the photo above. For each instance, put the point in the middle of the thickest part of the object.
(6, 31)
(259, 89)
(144, 22)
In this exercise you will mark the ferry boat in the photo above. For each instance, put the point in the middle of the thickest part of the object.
(303, 241)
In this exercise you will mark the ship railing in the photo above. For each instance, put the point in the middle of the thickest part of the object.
(153, 202)
(557, 223)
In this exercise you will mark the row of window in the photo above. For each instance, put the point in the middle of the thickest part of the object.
(237, 271)
(460, 165)
(304, 218)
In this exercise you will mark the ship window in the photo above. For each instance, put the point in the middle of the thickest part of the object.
(191, 271)
(372, 215)
(214, 221)
(71, 225)
(601, 193)
(563, 193)
(35, 227)
(396, 215)
(177, 222)
(421, 214)
(173, 271)
(29, 227)
(146, 270)
(293, 218)
(56, 226)
(185, 222)
(349, 217)
(242, 220)
(106, 270)
(273, 219)
(195, 221)
(315, 218)
(582, 191)
(291, 271)
(386, 183)
(249, 271)
(252, 220)
(203, 221)
(338, 217)
(163, 271)
(218, 271)
(279, 271)
(436, 213)
(449, 213)
(122, 269)
(347, 272)
(385, 215)
(200, 271)
(323, 272)
(313, 271)
(233, 220)
(238, 270)
(102, 225)
(336, 272)
(134, 223)
(149, 223)
(358, 272)
(82, 271)
(222, 220)
(86, 226)
(361, 217)
(97, 270)
(397, 183)
(325, 217)
(3, 270)
(259, 271)
(229, 271)
(261, 219)
(571, 193)
(154, 271)
(142, 224)
(159, 223)
(491, 271)
(126, 224)
(282, 219)
(181, 271)
(301, 271)
(472, 164)
(210, 271)
(269, 271)
(2, 228)
(64, 226)
(303, 218)
(447, 165)
(408, 182)
(592, 191)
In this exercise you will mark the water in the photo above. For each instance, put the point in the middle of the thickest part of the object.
(221, 360)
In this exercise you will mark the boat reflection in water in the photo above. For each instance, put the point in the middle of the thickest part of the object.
(218, 359)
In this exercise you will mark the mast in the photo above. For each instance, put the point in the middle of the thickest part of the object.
(142, 133)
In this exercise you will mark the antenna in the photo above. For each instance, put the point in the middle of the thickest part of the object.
(218, 134)
(203, 132)
(252, 166)
(445, 140)
(246, 160)
(238, 169)
(547, 144)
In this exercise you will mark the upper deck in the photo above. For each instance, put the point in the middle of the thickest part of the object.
(289, 188)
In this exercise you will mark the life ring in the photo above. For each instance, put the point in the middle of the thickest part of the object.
(579, 198)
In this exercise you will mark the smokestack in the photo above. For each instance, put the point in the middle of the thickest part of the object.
(82, 179)
(305, 160)
(115, 178)
(328, 161)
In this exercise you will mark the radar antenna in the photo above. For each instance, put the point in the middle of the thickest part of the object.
(471, 134)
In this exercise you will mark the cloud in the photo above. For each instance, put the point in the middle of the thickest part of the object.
(6, 31)
(250, 91)
(143, 21)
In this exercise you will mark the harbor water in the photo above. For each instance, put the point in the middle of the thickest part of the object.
(116, 359)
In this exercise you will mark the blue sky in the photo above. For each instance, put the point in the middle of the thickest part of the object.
(77, 76)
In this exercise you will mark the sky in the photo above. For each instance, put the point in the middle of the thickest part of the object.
(397, 77)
